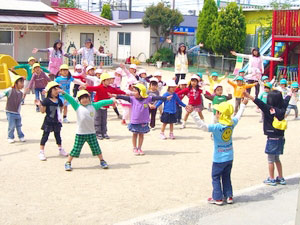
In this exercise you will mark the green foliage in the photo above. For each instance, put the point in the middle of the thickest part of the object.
(206, 18)
(106, 12)
(164, 55)
(276, 4)
(68, 4)
(229, 30)
(162, 19)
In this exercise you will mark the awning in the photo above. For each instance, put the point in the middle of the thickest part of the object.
(25, 19)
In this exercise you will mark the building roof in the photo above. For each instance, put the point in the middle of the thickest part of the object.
(25, 6)
(267, 8)
(25, 19)
(77, 16)
(130, 21)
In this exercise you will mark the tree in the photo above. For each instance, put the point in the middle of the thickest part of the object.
(68, 4)
(106, 12)
(229, 30)
(206, 18)
(276, 4)
(162, 19)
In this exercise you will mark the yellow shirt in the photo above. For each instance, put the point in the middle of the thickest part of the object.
(240, 89)
(212, 83)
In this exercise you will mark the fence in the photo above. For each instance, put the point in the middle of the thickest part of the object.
(107, 61)
(287, 72)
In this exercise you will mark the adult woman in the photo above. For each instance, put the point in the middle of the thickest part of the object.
(55, 57)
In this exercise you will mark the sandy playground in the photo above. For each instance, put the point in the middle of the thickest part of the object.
(173, 173)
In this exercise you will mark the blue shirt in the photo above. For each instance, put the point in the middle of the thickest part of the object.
(64, 83)
(223, 149)
(170, 106)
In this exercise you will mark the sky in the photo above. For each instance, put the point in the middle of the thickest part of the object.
(183, 5)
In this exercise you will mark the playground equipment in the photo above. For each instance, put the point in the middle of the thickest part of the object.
(7, 62)
(290, 73)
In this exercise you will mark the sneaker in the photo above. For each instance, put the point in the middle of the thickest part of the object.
(135, 151)
(212, 201)
(22, 139)
(68, 166)
(42, 156)
(163, 136)
(172, 136)
(140, 151)
(260, 120)
(10, 141)
(120, 117)
(99, 136)
(229, 200)
(297, 118)
(65, 120)
(182, 126)
(123, 122)
(280, 181)
(62, 152)
(37, 109)
(153, 128)
(103, 164)
(269, 181)
(105, 136)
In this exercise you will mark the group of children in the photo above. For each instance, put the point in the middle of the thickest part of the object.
(96, 91)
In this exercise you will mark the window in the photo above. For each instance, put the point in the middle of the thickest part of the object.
(124, 38)
(84, 37)
(6, 37)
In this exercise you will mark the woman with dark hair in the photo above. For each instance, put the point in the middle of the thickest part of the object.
(256, 67)
(55, 57)
(88, 52)
(274, 126)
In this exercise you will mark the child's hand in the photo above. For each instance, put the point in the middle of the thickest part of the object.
(82, 87)
(74, 52)
(233, 53)
(189, 108)
(201, 45)
(245, 101)
(246, 94)
(35, 50)
(151, 106)
(61, 91)
(169, 97)
(111, 95)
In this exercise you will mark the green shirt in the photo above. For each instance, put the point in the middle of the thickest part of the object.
(264, 97)
(28, 69)
(217, 100)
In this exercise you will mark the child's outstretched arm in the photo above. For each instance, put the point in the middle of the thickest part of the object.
(98, 105)
(126, 98)
(5, 93)
(200, 123)
(70, 99)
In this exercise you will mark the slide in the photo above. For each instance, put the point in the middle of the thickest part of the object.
(7, 62)
(266, 50)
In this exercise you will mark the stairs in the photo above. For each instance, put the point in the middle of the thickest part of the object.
(4, 76)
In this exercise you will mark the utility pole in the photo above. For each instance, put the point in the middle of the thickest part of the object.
(173, 4)
(130, 9)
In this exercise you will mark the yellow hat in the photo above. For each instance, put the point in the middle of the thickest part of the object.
(105, 76)
(31, 58)
(51, 84)
(82, 92)
(226, 110)
(14, 79)
(64, 67)
(36, 65)
(143, 90)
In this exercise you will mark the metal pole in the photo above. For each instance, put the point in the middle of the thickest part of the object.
(173, 4)
(88, 5)
(130, 9)
(297, 222)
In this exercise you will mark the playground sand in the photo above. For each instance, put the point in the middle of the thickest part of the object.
(173, 173)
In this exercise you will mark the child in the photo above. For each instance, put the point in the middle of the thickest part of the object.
(274, 127)
(169, 111)
(161, 84)
(239, 89)
(78, 74)
(182, 84)
(223, 150)
(283, 88)
(217, 98)
(86, 112)
(213, 80)
(52, 106)
(64, 79)
(241, 73)
(264, 96)
(103, 92)
(118, 78)
(28, 68)
(88, 52)
(139, 116)
(153, 92)
(13, 107)
(195, 99)
(125, 104)
(39, 81)
(294, 100)
(143, 78)
(131, 73)
(256, 66)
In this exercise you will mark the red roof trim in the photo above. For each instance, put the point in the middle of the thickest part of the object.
(78, 16)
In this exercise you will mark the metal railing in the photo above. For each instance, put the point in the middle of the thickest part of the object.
(107, 61)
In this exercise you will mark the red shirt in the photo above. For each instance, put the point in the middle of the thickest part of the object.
(180, 96)
(193, 95)
(80, 77)
(102, 92)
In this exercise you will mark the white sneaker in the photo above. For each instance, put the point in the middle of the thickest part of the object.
(65, 120)
(62, 152)
(22, 139)
(182, 126)
(42, 156)
(10, 141)
(153, 128)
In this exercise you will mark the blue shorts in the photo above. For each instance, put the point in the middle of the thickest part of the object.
(275, 146)
(142, 128)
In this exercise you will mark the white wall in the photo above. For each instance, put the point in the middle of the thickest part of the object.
(140, 39)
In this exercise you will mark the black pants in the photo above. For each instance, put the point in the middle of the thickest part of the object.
(179, 76)
(75, 90)
(46, 135)
(152, 117)
(256, 87)
(178, 113)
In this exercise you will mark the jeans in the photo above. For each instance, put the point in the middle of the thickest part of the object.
(179, 76)
(178, 113)
(39, 91)
(289, 108)
(14, 122)
(221, 171)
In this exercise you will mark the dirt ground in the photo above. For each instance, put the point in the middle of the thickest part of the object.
(173, 173)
